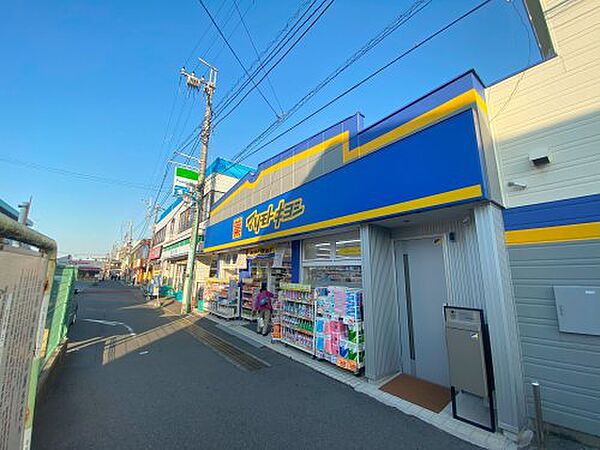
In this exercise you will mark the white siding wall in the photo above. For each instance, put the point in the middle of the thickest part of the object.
(218, 182)
(554, 105)
(566, 364)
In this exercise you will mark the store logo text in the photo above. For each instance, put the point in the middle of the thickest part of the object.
(284, 212)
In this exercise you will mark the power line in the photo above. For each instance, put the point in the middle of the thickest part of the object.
(256, 51)
(291, 22)
(233, 52)
(370, 76)
(280, 46)
(232, 32)
(176, 131)
(206, 30)
(518, 82)
(164, 139)
(223, 25)
(400, 20)
(78, 175)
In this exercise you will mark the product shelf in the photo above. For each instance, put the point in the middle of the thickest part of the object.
(302, 302)
(221, 298)
(298, 329)
(297, 346)
(309, 319)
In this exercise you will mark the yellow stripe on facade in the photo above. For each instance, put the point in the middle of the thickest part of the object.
(561, 233)
(445, 109)
(466, 193)
(342, 138)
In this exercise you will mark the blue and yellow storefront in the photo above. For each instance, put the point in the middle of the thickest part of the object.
(408, 210)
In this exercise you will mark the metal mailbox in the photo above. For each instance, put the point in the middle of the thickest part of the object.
(469, 357)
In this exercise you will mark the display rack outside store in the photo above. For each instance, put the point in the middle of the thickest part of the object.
(221, 297)
(276, 333)
(250, 288)
(296, 316)
(339, 331)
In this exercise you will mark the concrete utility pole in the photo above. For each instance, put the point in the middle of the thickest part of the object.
(24, 211)
(198, 192)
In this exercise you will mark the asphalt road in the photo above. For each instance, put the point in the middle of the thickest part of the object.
(164, 389)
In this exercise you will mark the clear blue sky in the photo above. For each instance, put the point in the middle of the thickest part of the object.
(89, 86)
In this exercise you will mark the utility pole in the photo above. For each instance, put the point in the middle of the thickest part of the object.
(24, 211)
(208, 86)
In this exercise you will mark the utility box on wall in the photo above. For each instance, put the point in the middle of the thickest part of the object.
(578, 309)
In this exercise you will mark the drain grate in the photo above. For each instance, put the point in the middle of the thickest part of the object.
(235, 355)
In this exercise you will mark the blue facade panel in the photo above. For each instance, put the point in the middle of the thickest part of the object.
(296, 261)
(561, 212)
(442, 158)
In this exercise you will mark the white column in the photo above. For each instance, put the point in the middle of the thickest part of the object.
(499, 307)
(380, 306)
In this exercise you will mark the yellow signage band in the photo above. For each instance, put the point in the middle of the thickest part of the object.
(452, 106)
(466, 193)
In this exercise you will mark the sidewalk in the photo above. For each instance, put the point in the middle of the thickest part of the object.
(444, 420)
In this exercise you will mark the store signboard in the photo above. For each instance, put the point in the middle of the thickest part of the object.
(439, 166)
(183, 180)
(260, 251)
(177, 249)
(236, 231)
(155, 252)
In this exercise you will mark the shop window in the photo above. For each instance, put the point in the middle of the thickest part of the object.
(212, 271)
(338, 275)
(318, 250)
(333, 260)
(347, 248)
(185, 219)
(159, 236)
(339, 247)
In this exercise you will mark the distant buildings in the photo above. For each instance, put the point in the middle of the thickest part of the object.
(87, 269)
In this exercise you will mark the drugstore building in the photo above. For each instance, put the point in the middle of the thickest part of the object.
(409, 211)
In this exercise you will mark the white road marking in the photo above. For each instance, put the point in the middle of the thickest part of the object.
(112, 324)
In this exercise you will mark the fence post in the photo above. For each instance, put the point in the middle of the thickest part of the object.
(539, 419)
